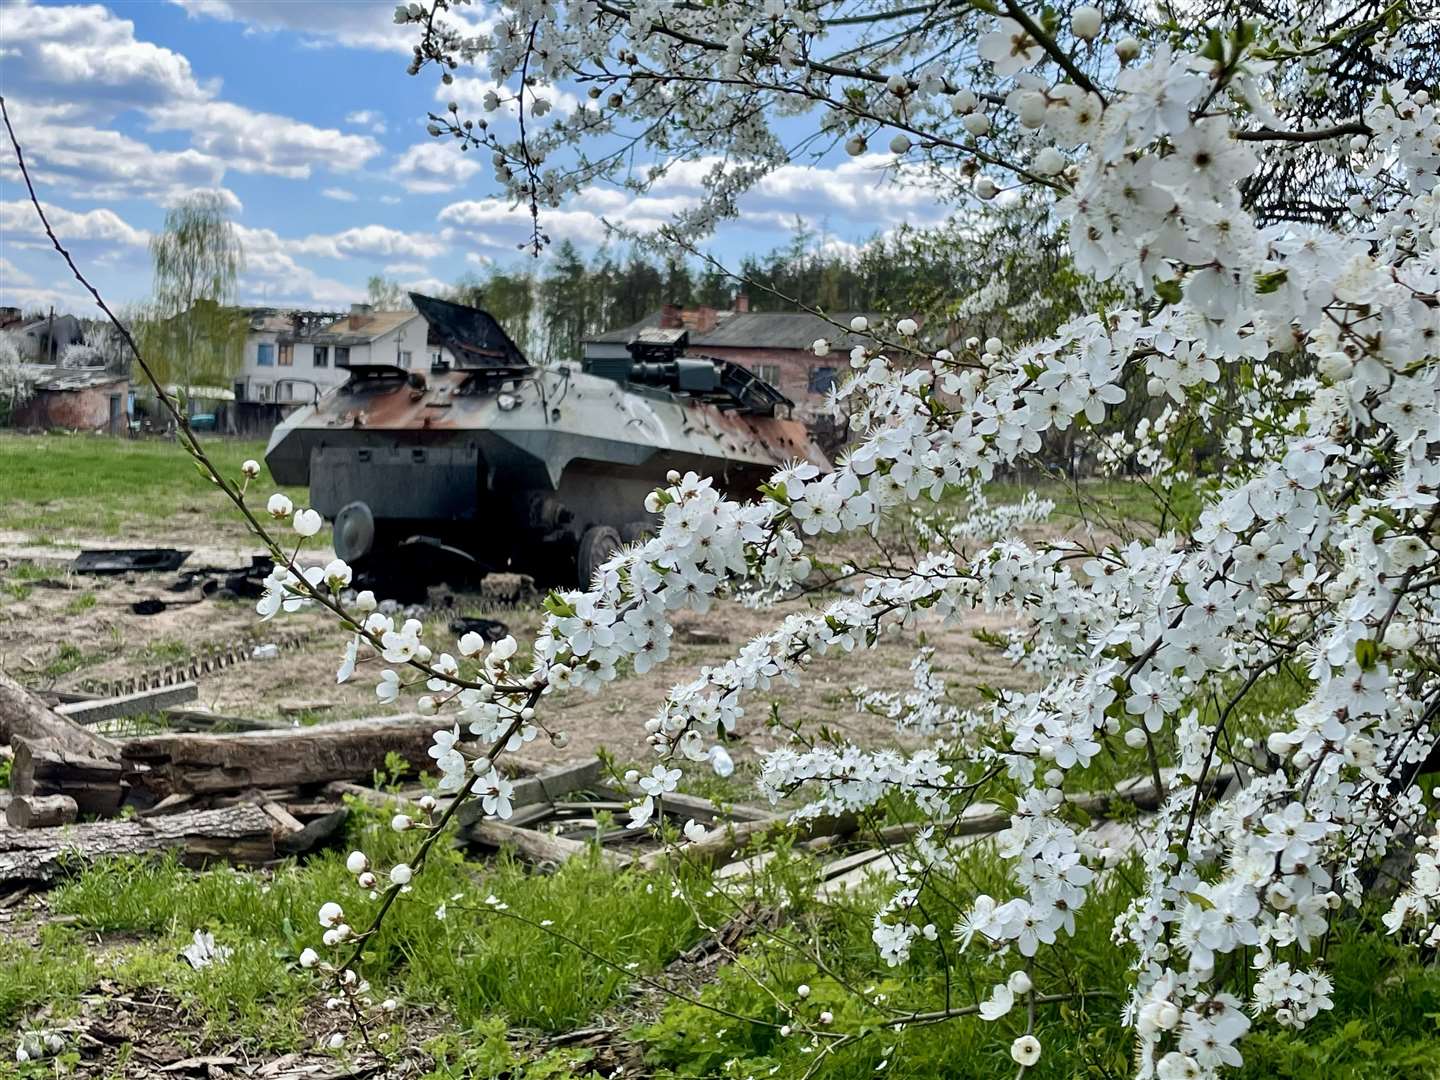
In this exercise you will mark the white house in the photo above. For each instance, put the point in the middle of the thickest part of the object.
(290, 357)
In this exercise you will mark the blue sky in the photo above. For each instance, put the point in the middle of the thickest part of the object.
(302, 116)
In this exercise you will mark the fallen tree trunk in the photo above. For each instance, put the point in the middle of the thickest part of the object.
(214, 763)
(22, 714)
(238, 834)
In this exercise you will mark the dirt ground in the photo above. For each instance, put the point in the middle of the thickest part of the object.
(65, 631)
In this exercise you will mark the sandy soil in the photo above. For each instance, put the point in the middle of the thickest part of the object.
(41, 632)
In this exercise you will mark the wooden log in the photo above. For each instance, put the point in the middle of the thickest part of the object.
(40, 811)
(42, 768)
(22, 714)
(238, 834)
(214, 763)
(114, 708)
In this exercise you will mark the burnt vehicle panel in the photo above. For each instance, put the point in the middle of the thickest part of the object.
(518, 467)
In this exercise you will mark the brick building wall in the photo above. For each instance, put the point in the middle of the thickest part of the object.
(84, 409)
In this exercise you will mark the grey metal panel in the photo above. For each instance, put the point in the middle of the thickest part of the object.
(411, 482)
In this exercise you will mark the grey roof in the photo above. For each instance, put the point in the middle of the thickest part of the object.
(753, 330)
(50, 377)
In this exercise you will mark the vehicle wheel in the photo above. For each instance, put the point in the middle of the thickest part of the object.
(597, 544)
(354, 532)
(632, 532)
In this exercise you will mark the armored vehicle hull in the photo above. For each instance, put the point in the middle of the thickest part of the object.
(510, 467)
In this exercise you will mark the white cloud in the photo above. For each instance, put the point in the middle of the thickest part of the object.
(40, 297)
(81, 66)
(356, 24)
(102, 165)
(19, 222)
(362, 242)
(12, 274)
(367, 118)
(428, 286)
(87, 56)
(500, 226)
(405, 269)
(360, 24)
(339, 194)
(264, 142)
(229, 201)
(432, 167)
(856, 191)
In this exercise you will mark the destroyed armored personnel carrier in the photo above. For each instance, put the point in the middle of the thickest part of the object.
(506, 466)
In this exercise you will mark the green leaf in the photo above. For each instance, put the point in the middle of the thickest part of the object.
(1366, 653)
(1168, 291)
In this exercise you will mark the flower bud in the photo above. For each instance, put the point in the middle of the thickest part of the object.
(900, 143)
(1127, 49)
(250, 469)
(401, 822)
(976, 123)
(357, 863)
(309, 958)
(400, 874)
(1085, 22)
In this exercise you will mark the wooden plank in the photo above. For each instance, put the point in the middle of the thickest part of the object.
(545, 787)
(144, 701)
(203, 720)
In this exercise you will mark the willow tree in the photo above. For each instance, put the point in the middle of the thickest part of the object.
(195, 334)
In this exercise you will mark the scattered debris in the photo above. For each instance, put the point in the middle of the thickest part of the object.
(491, 630)
(202, 952)
(128, 560)
(268, 651)
(152, 605)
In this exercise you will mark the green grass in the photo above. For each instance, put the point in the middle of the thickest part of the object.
(80, 604)
(470, 965)
(89, 485)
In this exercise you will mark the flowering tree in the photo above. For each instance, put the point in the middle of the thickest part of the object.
(1265, 194)
(15, 388)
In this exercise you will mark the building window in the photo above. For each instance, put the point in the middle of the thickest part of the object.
(264, 389)
(265, 354)
(436, 360)
(821, 379)
(342, 355)
(404, 358)
(769, 373)
(287, 353)
(322, 355)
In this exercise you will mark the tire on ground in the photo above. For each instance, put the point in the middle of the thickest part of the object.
(597, 544)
